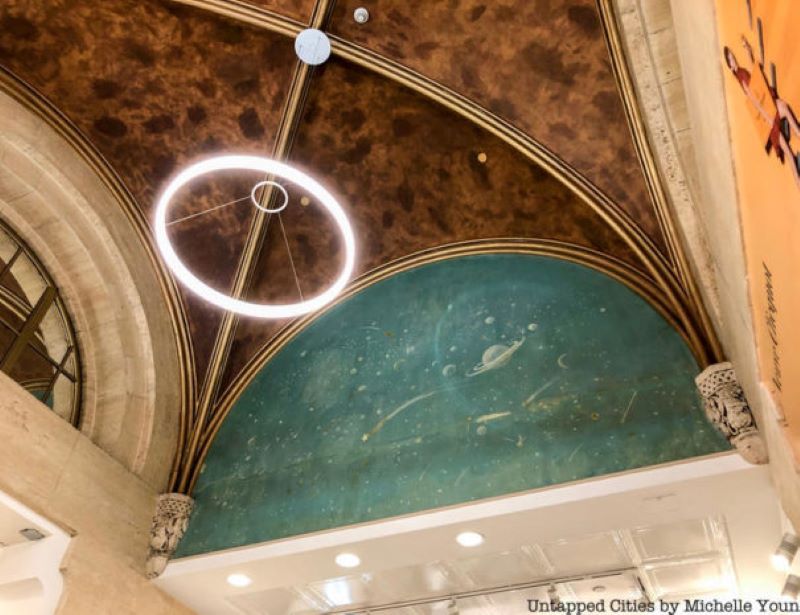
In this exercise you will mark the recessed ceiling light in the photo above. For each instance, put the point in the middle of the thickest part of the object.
(237, 579)
(348, 560)
(469, 539)
(482, 157)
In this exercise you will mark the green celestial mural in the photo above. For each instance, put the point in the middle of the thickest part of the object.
(458, 380)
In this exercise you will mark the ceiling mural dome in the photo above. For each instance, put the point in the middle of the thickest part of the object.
(464, 379)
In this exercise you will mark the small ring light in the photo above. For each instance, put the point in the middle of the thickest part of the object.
(267, 210)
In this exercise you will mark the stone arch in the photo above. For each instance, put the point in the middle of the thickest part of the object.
(63, 210)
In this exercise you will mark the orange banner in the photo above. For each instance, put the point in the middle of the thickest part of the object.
(761, 59)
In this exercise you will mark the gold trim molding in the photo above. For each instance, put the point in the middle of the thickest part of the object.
(287, 129)
(650, 169)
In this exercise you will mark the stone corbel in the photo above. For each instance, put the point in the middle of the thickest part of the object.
(169, 524)
(727, 409)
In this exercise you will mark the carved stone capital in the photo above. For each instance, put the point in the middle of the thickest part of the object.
(169, 524)
(727, 409)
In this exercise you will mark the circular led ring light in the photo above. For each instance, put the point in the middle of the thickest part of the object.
(269, 167)
(267, 210)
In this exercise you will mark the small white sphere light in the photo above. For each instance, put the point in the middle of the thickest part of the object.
(238, 579)
(348, 560)
(785, 553)
(361, 15)
(470, 539)
(312, 46)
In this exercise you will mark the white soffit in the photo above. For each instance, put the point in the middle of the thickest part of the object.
(576, 528)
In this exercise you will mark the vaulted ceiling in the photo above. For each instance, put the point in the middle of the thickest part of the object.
(434, 122)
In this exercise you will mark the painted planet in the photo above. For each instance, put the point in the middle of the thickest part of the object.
(494, 357)
(492, 353)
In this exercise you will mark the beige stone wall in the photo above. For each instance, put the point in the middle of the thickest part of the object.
(60, 207)
(674, 55)
(55, 470)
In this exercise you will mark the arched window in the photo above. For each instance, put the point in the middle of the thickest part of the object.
(38, 348)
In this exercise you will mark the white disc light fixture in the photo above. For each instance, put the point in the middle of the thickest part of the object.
(348, 560)
(470, 539)
(237, 579)
(312, 46)
(271, 168)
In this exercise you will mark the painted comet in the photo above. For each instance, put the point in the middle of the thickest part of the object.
(394, 413)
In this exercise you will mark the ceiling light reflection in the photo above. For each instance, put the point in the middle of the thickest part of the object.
(338, 592)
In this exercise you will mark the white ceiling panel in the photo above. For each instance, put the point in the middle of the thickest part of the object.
(436, 608)
(350, 591)
(586, 554)
(279, 601)
(433, 579)
(516, 602)
(505, 568)
(622, 586)
(674, 539)
(692, 577)
(569, 535)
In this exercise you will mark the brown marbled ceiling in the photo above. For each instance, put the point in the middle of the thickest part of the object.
(155, 84)
(541, 65)
(296, 9)
(214, 212)
(408, 172)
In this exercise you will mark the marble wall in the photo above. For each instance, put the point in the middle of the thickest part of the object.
(459, 380)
